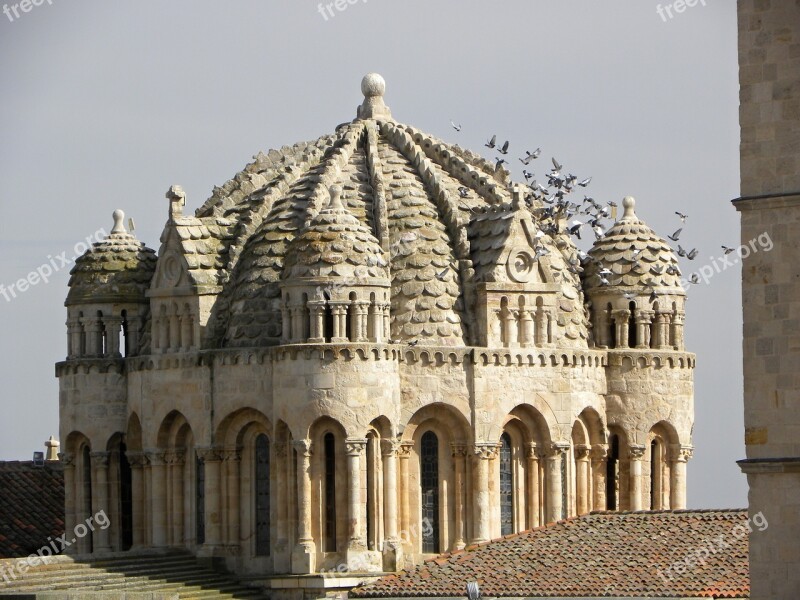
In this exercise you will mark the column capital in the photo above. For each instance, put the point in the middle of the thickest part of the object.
(208, 454)
(100, 458)
(303, 447)
(405, 448)
(156, 457)
(682, 453)
(582, 451)
(558, 450)
(599, 452)
(458, 449)
(355, 446)
(636, 451)
(136, 459)
(230, 453)
(175, 457)
(644, 315)
(390, 447)
(533, 450)
(486, 450)
(621, 313)
(67, 459)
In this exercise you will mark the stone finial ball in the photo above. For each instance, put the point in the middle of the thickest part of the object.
(118, 216)
(629, 202)
(373, 85)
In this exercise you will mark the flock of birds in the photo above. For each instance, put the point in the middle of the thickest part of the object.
(549, 198)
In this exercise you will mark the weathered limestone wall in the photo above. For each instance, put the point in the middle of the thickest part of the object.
(93, 400)
(769, 76)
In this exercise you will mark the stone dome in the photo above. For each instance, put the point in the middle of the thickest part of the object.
(118, 268)
(335, 245)
(636, 256)
(415, 196)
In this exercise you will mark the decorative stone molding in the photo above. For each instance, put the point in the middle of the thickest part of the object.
(355, 446)
(681, 453)
(156, 458)
(67, 459)
(390, 447)
(208, 454)
(230, 454)
(533, 450)
(582, 451)
(175, 457)
(303, 447)
(636, 452)
(599, 452)
(458, 449)
(486, 450)
(136, 459)
(404, 450)
(558, 449)
(100, 459)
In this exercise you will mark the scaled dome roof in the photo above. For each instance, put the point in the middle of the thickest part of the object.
(415, 196)
(635, 254)
(118, 268)
(335, 245)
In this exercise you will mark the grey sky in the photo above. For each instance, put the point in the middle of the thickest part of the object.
(105, 104)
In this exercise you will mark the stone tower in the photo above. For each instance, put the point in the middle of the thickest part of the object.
(769, 115)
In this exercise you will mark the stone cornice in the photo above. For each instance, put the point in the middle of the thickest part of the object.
(751, 466)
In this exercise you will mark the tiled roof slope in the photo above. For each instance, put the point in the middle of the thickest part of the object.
(601, 554)
(31, 506)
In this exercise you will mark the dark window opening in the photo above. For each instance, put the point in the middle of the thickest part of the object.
(429, 481)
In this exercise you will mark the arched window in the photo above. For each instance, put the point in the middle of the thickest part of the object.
(612, 472)
(330, 492)
(656, 475)
(87, 491)
(429, 482)
(200, 500)
(506, 486)
(125, 499)
(262, 495)
(632, 326)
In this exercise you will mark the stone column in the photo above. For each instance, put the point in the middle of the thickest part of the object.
(339, 311)
(212, 460)
(187, 327)
(282, 507)
(526, 328)
(583, 486)
(354, 448)
(317, 329)
(137, 460)
(552, 321)
(363, 324)
(636, 453)
(176, 461)
(286, 324)
(94, 336)
(74, 330)
(404, 453)
(601, 328)
(387, 320)
(101, 538)
(113, 328)
(459, 458)
(389, 450)
(510, 333)
(174, 330)
(376, 320)
(163, 333)
(297, 314)
(677, 485)
(599, 461)
(158, 497)
(555, 482)
(484, 452)
(643, 320)
(677, 330)
(132, 336)
(621, 318)
(541, 327)
(304, 554)
(532, 471)
(232, 458)
(70, 497)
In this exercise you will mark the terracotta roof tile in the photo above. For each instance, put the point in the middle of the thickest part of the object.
(31, 506)
(642, 554)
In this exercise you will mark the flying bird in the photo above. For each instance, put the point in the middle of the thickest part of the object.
(727, 250)
(682, 216)
(692, 253)
(529, 156)
(585, 182)
(557, 166)
(504, 149)
(456, 127)
(492, 142)
(500, 162)
(674, 237)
